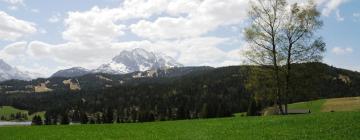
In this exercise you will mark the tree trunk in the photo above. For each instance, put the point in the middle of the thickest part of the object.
(287, 79)
(276, 70)
(277, 79)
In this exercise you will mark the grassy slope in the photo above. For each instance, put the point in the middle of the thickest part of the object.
(314, 106)
(338, 125)
(342, 104)
(328, 105)
(8, 110)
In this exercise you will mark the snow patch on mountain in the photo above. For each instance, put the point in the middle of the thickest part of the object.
(137, 60)
(8, 72)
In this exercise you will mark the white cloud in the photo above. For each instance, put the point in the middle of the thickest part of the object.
(326, 6)
(42, 31)
(169, 28)
(35, 10)
(14, 51)
(39, 49)
(356, 14)
(55, 18)
(342, 50)
(330, 5)
(178, 7)
(96, 25)
(177, 28)
(13, 8)
(14, 2)
(338, 16)
(356, 17)
(12, 28)
(143, 8)
(204, 17)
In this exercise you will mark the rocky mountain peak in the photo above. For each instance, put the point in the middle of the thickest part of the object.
(137, 60)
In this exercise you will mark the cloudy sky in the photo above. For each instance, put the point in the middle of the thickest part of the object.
(45, 36)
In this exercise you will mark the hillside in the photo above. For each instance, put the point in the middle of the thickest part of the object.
(330, 105)
(7, 111)
(95, 81)
(171, 94)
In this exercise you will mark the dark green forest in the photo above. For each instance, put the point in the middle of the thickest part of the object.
(198, 92)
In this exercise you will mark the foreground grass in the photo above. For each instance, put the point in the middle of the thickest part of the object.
(337, 125)
(6, 111)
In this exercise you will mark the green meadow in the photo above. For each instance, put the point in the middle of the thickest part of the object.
(6, 111)
(322, 125)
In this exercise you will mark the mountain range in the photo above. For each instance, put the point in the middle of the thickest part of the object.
(126, 62)
(8, 72)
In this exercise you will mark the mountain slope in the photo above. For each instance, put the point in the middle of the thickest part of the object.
(137, 60)
(8, 72)
(72, 72)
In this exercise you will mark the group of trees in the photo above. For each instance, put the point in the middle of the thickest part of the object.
(217, 93)
(281, 34)
(37, 120)
(156, 102)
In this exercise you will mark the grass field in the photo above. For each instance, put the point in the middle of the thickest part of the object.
(318, 125)
(314, 106)
(8, 110)
(329, 105)
(337, 125)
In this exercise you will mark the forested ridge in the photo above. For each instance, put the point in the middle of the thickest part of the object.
(205, 93)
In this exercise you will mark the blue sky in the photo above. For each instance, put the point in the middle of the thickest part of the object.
(45, 36)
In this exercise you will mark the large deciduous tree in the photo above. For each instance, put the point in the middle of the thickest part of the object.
(280, 35)
(299, 42)
(264, 36)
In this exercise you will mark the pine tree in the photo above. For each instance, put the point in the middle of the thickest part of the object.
(65, 118)
(47, 118)
(37, 120)
(84, 118)
(109, 118)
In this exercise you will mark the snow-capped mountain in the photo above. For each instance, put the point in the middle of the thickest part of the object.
(8, 72)
(72, 72)
(137, 60)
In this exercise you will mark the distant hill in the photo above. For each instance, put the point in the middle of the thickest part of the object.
(72, 72)
(91, 81)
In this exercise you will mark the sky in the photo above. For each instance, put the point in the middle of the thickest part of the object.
(46, 36)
